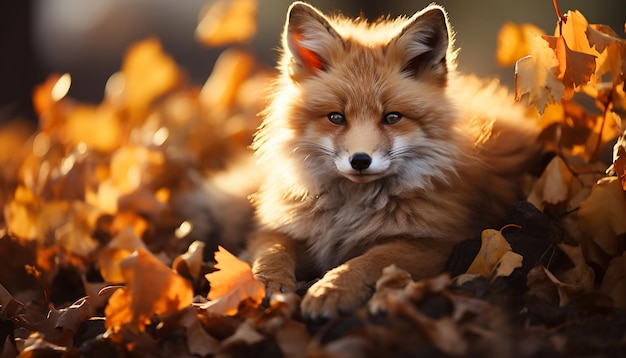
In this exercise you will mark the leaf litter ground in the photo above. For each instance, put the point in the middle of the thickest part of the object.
(108, 207)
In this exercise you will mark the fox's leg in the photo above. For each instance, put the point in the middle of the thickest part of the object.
(273, 257)
(348, 286)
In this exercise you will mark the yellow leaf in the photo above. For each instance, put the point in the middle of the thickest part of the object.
(495, 257)
(151, 288)
(575, 31)
(231, 69)
(98, 128)
(515, 42)
(148, 73)
(227, 21)
(118, 249)
(232, 284)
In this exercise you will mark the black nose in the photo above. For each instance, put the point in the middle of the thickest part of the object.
(360, 161)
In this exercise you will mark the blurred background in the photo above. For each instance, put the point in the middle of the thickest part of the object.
(88, 38)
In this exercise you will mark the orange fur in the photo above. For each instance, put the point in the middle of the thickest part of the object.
(448, 167)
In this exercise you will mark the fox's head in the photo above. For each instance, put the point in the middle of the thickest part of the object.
(364, 101)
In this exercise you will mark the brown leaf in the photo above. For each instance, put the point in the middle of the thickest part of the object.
(192, 260)
(151, 288)
(199, 341)
(580, 275)
(602, 219)
(614, 282)
(544, 286)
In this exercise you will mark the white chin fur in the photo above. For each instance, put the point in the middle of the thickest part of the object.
(363, 178)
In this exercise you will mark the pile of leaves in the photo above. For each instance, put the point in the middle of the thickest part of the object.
(112, 214)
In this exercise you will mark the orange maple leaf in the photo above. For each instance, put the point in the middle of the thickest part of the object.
(232, 284)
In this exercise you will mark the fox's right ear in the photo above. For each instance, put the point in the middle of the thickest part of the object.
(309, 39)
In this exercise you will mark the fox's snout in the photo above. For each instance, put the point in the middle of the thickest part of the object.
(360, 161)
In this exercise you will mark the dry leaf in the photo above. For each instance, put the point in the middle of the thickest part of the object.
(536, 75)
(192, 260)
(580, 275)
(575, 68)
(232, 284)
(148, 73)
(555, 185)
(619, 165)
(614, 60)
(229, 72)
(614, 282)
(118, 249)
(151, 288)
(495, 257)
(227, 21)
(515, 42)
(602, 219)
(97, 127)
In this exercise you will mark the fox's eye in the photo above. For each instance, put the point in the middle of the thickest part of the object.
(337, 118)
(392, 118)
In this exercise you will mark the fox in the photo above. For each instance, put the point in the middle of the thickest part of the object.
(377, 152)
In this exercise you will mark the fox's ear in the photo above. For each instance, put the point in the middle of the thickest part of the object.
(309, 39)
(423, 44)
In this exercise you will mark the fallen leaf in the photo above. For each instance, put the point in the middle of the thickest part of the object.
(192, 260)
(199, 341)
(151, 288)
(231, 284)
(614, 282)
(545, 287)
(495, 257)
(581, 274)
(147, 73)
(601, 218)
(229, 73)
(554, 186)
(119, 248)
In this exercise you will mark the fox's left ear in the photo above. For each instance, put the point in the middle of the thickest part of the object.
(423, 44)
(309, 39)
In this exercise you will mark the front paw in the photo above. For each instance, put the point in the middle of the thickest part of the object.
(338, 292)
(275, 281)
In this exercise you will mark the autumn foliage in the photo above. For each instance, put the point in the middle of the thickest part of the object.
(113, 212)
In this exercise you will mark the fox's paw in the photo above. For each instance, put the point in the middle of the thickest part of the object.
(275, 281)
(336, 293)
